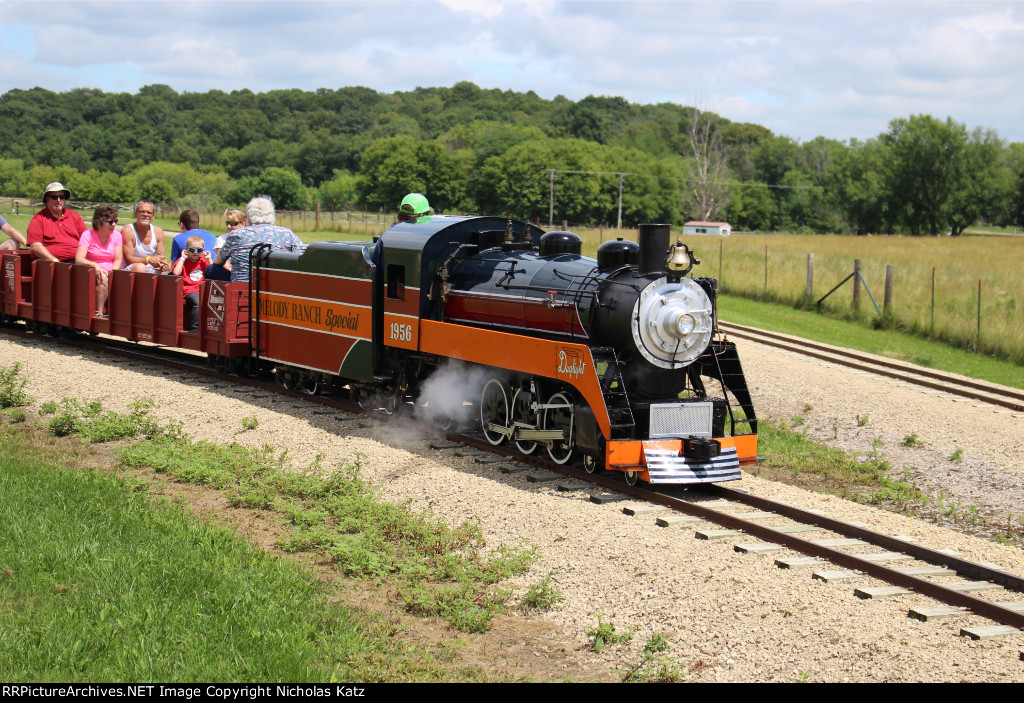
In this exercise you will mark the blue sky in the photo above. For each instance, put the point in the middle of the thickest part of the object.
(801, 68)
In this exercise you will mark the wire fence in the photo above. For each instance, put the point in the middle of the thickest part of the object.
(930, 287)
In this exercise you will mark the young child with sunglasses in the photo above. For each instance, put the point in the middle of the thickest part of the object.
(191, 266)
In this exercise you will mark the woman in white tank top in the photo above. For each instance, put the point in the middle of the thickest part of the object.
(144, 242)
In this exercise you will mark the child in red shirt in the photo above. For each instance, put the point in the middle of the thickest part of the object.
(191, 266)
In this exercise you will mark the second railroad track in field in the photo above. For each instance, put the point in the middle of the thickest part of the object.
(948, 383)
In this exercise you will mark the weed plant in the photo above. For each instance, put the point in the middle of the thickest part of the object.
(652, 668)
(440, 570)
(868, 481)
(543, 595)
(912, 440)
(604, 633)
(12, 387)
(93, 424)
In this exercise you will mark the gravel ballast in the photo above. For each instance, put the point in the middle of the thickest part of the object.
(727, 616)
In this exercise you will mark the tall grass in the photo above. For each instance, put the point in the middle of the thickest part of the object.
(959, 263)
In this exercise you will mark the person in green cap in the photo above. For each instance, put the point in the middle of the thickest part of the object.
(414, 208)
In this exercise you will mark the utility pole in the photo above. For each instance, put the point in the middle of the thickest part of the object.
(551, 200)
(622, 178)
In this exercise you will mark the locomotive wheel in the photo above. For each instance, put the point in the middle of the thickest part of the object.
(561, 452)
(310, 386)
(522, 412)
(443, 422)
(494, 410)
(436, 417)
(383, 399)
(387, 400)
(591, 464)
(287, 379)
(631, 477)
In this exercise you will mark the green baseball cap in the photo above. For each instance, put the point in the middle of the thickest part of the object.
(416, 205)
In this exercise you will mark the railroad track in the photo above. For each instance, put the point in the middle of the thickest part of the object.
(727, 508)
(947, 383)
(716, 504)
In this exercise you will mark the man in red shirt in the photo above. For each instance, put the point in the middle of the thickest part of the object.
(54, 231)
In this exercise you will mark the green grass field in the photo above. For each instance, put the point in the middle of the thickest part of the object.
(99, 581)
(850, 334)
(101, 584)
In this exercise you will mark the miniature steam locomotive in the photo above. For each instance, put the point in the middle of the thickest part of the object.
(614, 361)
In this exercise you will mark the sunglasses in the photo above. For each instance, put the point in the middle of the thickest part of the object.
(111, 222)
(232, 224)
(51, 196)
(195, 250)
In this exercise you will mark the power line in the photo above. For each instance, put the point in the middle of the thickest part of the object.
(622, 179)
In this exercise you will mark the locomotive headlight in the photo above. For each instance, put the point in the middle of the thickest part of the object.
(672, 322)
(685, 325)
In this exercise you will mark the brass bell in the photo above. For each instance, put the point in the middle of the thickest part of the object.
(679, 260)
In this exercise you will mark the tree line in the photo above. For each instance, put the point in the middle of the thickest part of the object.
(503, 152)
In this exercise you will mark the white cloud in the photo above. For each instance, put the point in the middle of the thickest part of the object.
(841, 69)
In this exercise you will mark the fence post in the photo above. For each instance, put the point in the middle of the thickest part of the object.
(856, 285)
(317, 226)
(977, 345)
(766, 269)
(810, 276)
(931, 328)
(889, 275)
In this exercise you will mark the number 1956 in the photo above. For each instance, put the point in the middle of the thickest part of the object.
(400, 332)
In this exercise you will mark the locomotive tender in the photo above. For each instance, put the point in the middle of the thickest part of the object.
(613, 361)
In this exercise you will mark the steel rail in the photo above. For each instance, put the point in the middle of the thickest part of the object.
(979, 606)
(962, 566)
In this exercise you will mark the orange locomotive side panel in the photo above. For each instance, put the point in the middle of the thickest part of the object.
(564, 361)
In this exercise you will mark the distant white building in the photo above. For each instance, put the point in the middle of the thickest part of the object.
(721, 228)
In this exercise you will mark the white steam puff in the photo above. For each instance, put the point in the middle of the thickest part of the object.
(452, 392)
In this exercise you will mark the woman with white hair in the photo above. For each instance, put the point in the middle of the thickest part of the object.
(144, 242)
(259, 215)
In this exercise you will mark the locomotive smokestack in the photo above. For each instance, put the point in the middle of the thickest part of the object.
(654, 243)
